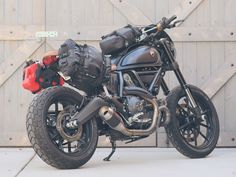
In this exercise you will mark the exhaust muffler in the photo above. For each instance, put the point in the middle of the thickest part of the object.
(115, 121)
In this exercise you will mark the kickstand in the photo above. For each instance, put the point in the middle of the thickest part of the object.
(113, 145)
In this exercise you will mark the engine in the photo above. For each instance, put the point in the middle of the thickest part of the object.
(139, 111)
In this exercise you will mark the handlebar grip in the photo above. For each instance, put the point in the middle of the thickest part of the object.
(165, 22)
(169, 20)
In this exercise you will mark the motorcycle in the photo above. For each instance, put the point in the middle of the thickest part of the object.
(120, 100)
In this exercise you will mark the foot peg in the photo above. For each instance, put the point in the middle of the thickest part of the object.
(113, 145)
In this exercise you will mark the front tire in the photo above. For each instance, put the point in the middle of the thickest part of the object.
(43, 134)
(191, 136)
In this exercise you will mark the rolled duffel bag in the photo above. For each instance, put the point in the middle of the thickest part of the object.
(83, 64)
(119, 39)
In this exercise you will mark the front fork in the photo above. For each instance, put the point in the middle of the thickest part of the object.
(180, 78)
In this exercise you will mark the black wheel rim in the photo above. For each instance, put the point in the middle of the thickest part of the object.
(79, 146)
(197, 133)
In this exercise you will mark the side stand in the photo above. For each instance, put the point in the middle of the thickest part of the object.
(113, 145)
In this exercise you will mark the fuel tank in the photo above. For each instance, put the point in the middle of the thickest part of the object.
(143, 56)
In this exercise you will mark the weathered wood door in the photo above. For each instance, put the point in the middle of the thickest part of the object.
(205, 42)
(19, 20)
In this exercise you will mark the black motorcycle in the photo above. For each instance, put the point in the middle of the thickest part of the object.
(115, 94)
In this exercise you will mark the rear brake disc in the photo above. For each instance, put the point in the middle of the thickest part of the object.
(67, 133)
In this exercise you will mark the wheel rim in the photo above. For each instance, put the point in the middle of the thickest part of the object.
(196, 132)
(69, 147)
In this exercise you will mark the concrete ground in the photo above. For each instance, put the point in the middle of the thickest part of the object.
(137, 162)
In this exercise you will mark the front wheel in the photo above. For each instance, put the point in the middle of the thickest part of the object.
(192, 136)
(54, 143)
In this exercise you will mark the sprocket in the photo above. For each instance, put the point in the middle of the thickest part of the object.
(68, 133)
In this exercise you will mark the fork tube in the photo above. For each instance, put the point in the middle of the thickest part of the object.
(178, 74)
(121, 83)
(164, 87)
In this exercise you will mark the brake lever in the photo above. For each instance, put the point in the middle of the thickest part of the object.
(178, 21)
(175, 24)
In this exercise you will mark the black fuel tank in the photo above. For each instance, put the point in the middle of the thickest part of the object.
(143, 56)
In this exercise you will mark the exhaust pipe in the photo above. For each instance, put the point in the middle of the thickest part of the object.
(166, 119)
(87, 112)
(115, 121)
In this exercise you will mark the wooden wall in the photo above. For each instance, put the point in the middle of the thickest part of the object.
(205, 42)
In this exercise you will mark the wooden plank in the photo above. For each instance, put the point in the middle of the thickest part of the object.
(81, 32)
(203, 14)
(178, 34)
(25, 12)
(219, 103)
(132, 13)
(2, 51)
(22, 32)
(18, 32)
(10, 107)
(2, 106)
(230, 102)
(148, 9)
(58, 12)
(92, 12)
(119, 19)
(162, 140)
(203, 34)
(52, 13)
(14, 139)
(203, 62)
(15, 107)
(162, 8)
(173, 82)
(220, 78)
(10, 9)
(230, 13)
(191, 21)
(217, 56)
(217, 13)
(173, 4)
(227, 139)
(10, 46)
(55, 45)
(106, 13)
(38, 12)
(10, 102)
(189, 62)
(17, 59)
(2, 11)
(217, 60)
(78, 12)
(185, 9)
(230, 94)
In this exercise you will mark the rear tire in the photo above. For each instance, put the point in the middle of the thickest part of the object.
(194, 138)
(44, 137)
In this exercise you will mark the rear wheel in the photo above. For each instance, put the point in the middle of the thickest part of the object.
(56, 144)
(192, 136)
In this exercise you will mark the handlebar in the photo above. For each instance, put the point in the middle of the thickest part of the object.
(163, 24)
(168, 21)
